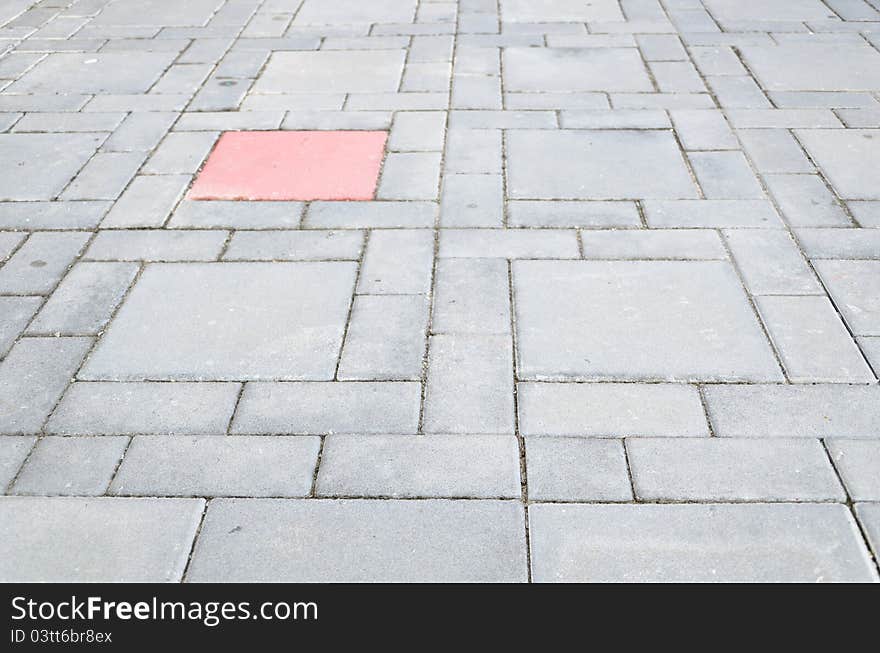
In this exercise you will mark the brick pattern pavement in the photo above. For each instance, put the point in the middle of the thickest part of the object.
(613, 314)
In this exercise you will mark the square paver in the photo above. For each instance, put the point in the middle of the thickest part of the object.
(94, 72)
(39, 166)
(559, 11)
(228, 321)
(637, 320)
(332, 71)
(850, 158)
(596, 165)
(575, 69)
(855, 288)
(297, 165)
(800, 66)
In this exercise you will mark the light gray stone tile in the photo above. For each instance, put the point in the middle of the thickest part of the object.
(508, 243)
(614, 119)
(845, 100)
(470, 384)
(526, 213)
(15, 314)
(104, 177)
(13, 451)
(156, 245)
(870, 347)
(103, 539)
(475, 466)
(385, 338)
(610, 409)
(361, 215)
(147, 202)
(858, 462)
(417, 131)
(39, 166)
(813, 411)
(228, 321)
(236, 215)
(703, 130)
(471, 296)
(69, 122)
(704, 337)
(40, 263)
(332, 71)
(398, 262)
(410, 176)
(138, 103)
(855, 288)
(186, 465)
(814, 66)
(559, 11)
(676, 77)
(661, 47)
(869, 517)
(141, 131)
(295, 245)
(596, 165)
(784, 542)
(806, 201)
(502, 120)
(9, 242)
(738, 92)
(180, 153)
(848, 158)
(662, 101)
(154, 408)
(348, 12)
(716, 60)
(782, 118)
(712, 214)
(774, 151)
(532, 101)
(85, 299)
(475, 151)
(729, 469)
(646, 244)
(866, 213)
(576, 469)
(341, 540)
(70, 466)
(32, 216)
(725, 176)
(472, 200)
(574, 69)
(321, 408)
(770, 262)
(812, 341)
(855, 118)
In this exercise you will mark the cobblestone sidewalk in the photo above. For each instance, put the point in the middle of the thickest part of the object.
(613, 314)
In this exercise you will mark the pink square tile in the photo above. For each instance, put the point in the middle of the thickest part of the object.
(292, 165)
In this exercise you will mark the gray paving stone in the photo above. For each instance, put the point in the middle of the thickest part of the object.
(332, 71)
(32, 377)
(610, 409)
(661, 47)
(13, 451)
(197, 322)
(703, 130)
(526, 213)
(869, 117)
(42, 164)
(472, 200)
(870, 347)
(559, 11)
(650, 244)
(43, 102)
(813, 411)
(417, 131)
(146, 202)
(717, 60)
(725, 176)
(138, 12)
(180, 153)
(41, 262)
(9, 242)
(97, 408)
(614, 119)
(785, 542)
(661, 101)
(574, 69)
(103, 539)
(847, 157)
(410, 176)
(184, 79)
(782, 118)
(340, 215)
(236, 215)
(824, 100)
(15, 314)
(70, 466)
(712, 214)
(470, 384)
(94, 72)
(321, 408)
(574, 469)
(814, 66)
(475, 466)
(676, 77)
(581, 100)
(738, 92)
(806, 201)
(295, 246)
(184, 465)
(502, 119)
(385, 338)
(710, 332)
(141, 131)
(473, 151)
(86, 298)
(782, 10)
(774, 150)
(867, 214)
(610, 165)
(156, 245)
(69, 122)
(361, 540)
(104, 177)
(869, 517)
(342, 120)
(728, 469)
(398, 262)
(508, 243)
(812, 341)
(770, 263)
(471, 296)
(32, 216)
(347, 12)
(855, 288)
(857, 461)
(137, 103)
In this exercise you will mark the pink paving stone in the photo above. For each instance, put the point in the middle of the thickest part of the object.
(292, 165)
